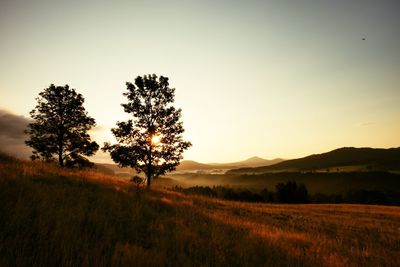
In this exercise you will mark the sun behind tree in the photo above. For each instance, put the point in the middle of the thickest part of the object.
(155, 140)
(152, 142)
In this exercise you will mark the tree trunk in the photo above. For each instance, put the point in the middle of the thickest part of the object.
(60, 160)
(60, 157)
(148, 182)
(149, 167)
(60, 146)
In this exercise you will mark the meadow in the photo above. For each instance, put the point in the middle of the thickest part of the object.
(55, 217)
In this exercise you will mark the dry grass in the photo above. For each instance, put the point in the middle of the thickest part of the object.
(321, 235)
(55, 217)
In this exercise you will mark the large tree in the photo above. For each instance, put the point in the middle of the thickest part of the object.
(59, 131)
(152, 141)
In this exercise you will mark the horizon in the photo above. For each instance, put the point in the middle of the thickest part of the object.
(274, 79)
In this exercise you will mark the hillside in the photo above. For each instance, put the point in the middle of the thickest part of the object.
(367, 158)
(57, 217)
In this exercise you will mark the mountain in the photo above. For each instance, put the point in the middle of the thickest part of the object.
(367, 158)
(258, 162)
(189, 165)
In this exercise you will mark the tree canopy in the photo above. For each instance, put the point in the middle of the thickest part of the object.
(59, 131)
(152, 141)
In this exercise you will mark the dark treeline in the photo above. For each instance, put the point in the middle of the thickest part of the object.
(361, 196)
(291, 192)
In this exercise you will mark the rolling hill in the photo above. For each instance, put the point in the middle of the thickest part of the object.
(189, 165)
(369, 158)
(194, 165)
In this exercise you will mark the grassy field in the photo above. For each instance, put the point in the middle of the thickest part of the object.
(53, 217)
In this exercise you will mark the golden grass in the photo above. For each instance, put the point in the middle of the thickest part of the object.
(324, 235)
(56, 217)
(13, 168)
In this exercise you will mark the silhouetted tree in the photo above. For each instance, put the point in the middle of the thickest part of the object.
(59, 131)
(290, 192)
(151, 142)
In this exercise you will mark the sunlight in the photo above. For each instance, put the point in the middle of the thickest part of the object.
(155, 140)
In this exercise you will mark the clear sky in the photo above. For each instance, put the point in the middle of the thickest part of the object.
(267, 78)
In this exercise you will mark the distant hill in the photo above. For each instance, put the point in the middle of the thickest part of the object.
(189, 165)
(194, 165)
(252, 162)
(259, 161)
(369, 158)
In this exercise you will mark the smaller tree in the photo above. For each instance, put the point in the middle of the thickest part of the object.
(137, 180)
(59, 131)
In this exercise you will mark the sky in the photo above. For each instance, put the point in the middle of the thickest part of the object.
(253, 78)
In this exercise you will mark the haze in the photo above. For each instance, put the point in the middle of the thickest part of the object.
(268, 78)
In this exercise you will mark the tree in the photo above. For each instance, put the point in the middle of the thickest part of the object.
(152, 141)
(290, 192)
(59, 131)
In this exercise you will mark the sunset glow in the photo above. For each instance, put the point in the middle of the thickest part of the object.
(253, 78)
(155, 140)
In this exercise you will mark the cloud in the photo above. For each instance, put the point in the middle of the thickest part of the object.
(12, 136)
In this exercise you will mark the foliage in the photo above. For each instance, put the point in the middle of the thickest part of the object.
(149, 101)
(59, 130)
(137, 180)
